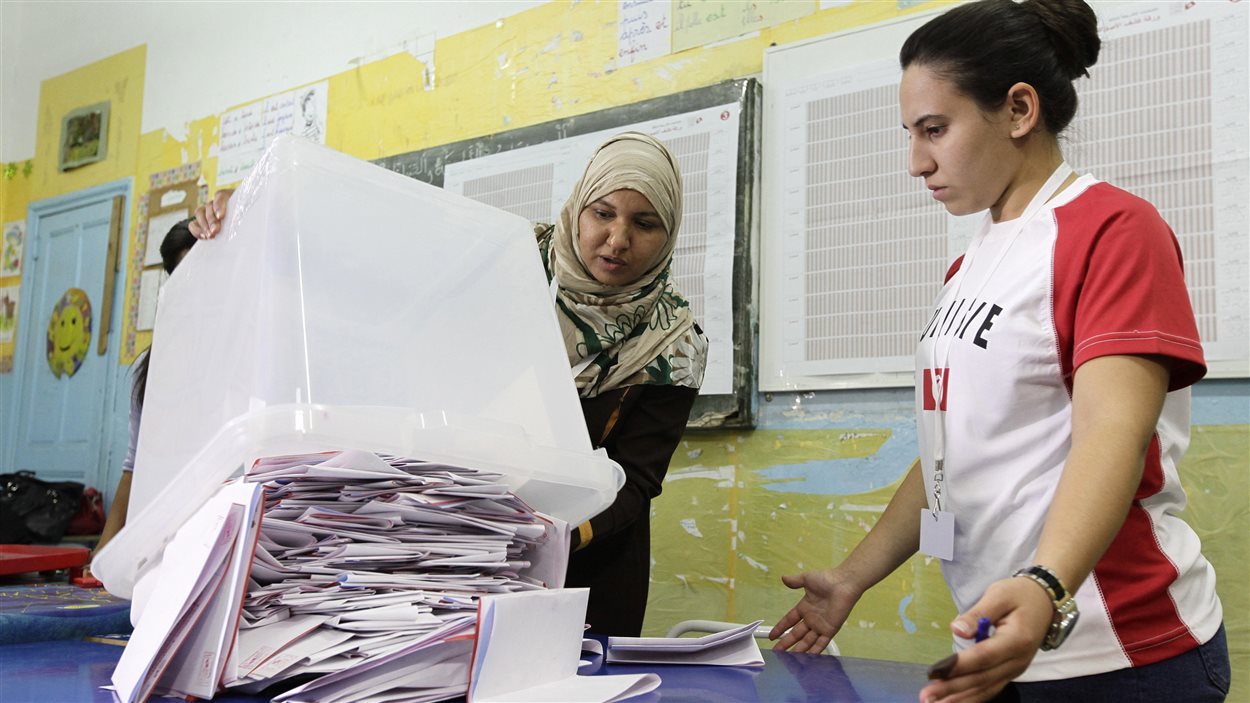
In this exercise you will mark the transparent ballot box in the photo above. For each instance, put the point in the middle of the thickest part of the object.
(344, 306)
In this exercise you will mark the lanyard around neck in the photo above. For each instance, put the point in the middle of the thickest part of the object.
(940, 385)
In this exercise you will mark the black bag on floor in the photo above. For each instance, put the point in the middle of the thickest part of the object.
(33, 511)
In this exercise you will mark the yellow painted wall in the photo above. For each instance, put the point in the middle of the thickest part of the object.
(117, 80)
(550, 62)
(556, 61)
(15, 180)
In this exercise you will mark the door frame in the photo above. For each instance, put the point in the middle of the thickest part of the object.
(115, 376)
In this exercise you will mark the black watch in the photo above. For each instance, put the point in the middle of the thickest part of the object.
(1066, 613)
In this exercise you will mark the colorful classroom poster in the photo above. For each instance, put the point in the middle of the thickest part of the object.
(11, 248)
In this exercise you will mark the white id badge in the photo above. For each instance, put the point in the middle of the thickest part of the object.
(937, 534)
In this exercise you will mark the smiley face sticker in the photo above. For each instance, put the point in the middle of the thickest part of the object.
(69, 332)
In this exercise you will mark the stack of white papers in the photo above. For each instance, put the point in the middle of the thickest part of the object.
(736, 647)
(432, 667)
(187, 626)
(360, 569)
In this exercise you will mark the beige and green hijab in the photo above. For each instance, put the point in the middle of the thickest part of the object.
(640, 333)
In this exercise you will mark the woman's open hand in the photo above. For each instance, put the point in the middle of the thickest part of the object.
(811, 624)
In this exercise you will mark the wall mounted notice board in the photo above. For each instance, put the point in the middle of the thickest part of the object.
(713, 134)
(854, 250)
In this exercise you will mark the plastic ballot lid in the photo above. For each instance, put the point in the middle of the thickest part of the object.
(347, 306)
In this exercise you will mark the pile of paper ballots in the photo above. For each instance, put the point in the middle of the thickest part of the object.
(350, 575)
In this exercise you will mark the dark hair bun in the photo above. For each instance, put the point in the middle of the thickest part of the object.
(1072, 28)
(987, 46)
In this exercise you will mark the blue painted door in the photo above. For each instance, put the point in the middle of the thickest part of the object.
(60, 429)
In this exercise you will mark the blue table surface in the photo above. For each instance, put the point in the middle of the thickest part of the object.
(73, 671)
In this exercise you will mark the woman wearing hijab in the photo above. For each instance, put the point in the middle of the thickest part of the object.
(635, 352)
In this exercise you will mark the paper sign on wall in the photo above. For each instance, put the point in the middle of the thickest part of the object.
(8, 313)
(696, 22)
(246, 131)
(644, 31)
(150, 283)
(11, 248)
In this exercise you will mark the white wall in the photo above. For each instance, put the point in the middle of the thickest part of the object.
(204, 57)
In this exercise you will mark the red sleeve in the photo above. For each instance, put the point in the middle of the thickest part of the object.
(953, 268)
(1119, 286)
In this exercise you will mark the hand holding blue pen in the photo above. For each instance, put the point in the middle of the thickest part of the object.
(943, 668)
(983, 629)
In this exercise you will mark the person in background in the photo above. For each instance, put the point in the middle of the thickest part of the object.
(174, 247)
(1052, 396)
(635, 351)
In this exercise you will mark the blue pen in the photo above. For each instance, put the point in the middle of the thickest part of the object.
(983, 629)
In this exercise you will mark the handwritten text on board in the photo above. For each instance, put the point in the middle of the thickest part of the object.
(696, 22)
(644, 31)
(246, 131)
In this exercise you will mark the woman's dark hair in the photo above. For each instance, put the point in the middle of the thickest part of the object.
(139, 386)
(176, 242)
(985, 47)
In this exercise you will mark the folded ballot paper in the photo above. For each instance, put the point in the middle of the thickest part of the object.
(188, 611)
(528, 649)
(736, 647)
(358, 570)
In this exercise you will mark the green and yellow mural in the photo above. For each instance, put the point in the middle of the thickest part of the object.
(740, 509)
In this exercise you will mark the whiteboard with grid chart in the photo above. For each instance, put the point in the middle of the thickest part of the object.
(854, 250)
(713, 132)
(534, 182)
